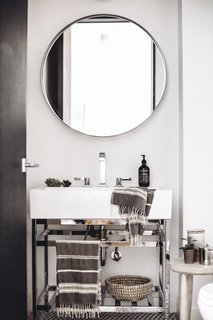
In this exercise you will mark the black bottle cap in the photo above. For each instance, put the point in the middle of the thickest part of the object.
(144, 160)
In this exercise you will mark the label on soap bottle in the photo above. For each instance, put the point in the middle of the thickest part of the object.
(144, 178)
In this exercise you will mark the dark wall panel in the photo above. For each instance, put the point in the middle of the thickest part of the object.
(13, 44)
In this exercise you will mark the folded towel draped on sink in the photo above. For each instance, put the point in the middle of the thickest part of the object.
(135, 204)
(78, 278)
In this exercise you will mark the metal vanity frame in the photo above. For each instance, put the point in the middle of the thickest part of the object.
(45, 232)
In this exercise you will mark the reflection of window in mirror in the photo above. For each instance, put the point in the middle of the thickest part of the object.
(103, 75)
(111, 66)
(53, 76)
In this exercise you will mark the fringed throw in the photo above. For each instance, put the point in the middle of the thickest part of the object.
(78, 279)
(135, 204)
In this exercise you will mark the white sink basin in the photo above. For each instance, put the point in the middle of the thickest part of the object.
(88, 203)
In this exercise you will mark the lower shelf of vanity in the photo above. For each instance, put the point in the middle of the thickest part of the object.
(153, 303)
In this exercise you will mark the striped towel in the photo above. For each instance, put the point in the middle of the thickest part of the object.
(78, 279)
(135, 204)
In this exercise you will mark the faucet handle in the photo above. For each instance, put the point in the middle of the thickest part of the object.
(86, 180)
(119, 181)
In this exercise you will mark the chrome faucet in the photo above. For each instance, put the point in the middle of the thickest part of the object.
(102, 166)
(119, 181)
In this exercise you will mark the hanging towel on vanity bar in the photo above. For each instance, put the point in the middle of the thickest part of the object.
(78, 279)
(135, 204)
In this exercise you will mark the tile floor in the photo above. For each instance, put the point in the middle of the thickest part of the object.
(51, 315)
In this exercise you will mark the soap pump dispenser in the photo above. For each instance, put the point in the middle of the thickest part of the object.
(143, 174)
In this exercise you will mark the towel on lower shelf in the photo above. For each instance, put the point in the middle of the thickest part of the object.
(135, 203)
(78, 278)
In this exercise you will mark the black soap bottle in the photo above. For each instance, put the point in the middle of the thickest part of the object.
(143, 174)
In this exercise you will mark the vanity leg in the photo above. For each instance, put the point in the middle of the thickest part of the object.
(186, 296)
(34, 295)
(165, 269)
(46, 281)
(167, 303)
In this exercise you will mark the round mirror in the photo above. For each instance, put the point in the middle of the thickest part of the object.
(103, 75)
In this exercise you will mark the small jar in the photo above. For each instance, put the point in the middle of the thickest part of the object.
(206, 255)
(198, 235)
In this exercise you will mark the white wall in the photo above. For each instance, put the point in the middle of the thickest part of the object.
(63, 153)
(197, 124)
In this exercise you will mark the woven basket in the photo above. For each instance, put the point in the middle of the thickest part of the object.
(129, 288)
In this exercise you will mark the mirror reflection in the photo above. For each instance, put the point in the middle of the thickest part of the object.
(103, 75)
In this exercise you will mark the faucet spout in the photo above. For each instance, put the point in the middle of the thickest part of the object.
(102, 166)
